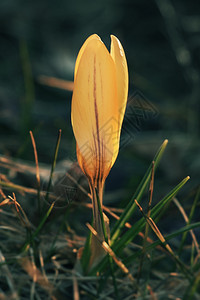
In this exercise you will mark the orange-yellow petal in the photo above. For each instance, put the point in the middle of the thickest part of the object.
(118, 55)
(95, 110)
(90, 38)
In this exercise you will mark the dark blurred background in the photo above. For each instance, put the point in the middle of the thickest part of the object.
(161, 39)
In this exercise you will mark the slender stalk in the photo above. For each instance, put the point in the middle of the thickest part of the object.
(151, 186)
(97, 224)
(37, 170)
(100, 224)
(96, 250)
(194, 205)
(106, 239)
(53, 165)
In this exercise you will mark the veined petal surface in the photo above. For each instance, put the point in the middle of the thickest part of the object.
(118, 55)
(90, 38)
(95, 110)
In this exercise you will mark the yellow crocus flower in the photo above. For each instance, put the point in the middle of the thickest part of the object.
(98, 106)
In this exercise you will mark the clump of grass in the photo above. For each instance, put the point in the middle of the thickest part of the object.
(43, 256)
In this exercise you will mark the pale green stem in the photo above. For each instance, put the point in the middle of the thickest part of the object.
(97, 251)
(96, 215)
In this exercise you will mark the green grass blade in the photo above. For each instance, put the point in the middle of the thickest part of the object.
(53, 165)
(130, 208)
(168, 237)
(158, 233)
(106, 239)
(151, 187)
(119, 245)
(194, 205)
(157, 208)
(85, 258)
(39, 228)
(139, 225)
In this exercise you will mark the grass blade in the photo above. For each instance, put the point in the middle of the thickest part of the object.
(151, 186)
(130, 208)
(164, 243)
(139, 225)
(105, 233)
(53, 164)
(37, 170)
(190, 218)
(168, 237)
(120, 244)
(39, 228)
(111, 253)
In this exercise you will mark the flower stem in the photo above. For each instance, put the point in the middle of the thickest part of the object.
(97, 252)
(97, 224)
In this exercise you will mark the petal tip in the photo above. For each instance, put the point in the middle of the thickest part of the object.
(115, 43)
(94, 36)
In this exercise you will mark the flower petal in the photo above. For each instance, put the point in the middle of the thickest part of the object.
(90, 38)
(95, 110)
(118, 55)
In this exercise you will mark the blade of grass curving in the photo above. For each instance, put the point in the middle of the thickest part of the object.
(157, 208)
(21, 213)
(156, 230)
(37, 170)
(107, 248)
(151, 186)
(183, 213)
(139, 225)
(130, 208)
(120, 244)
(53, 164)
(129, 260)
(194, 205)
(39, 228)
